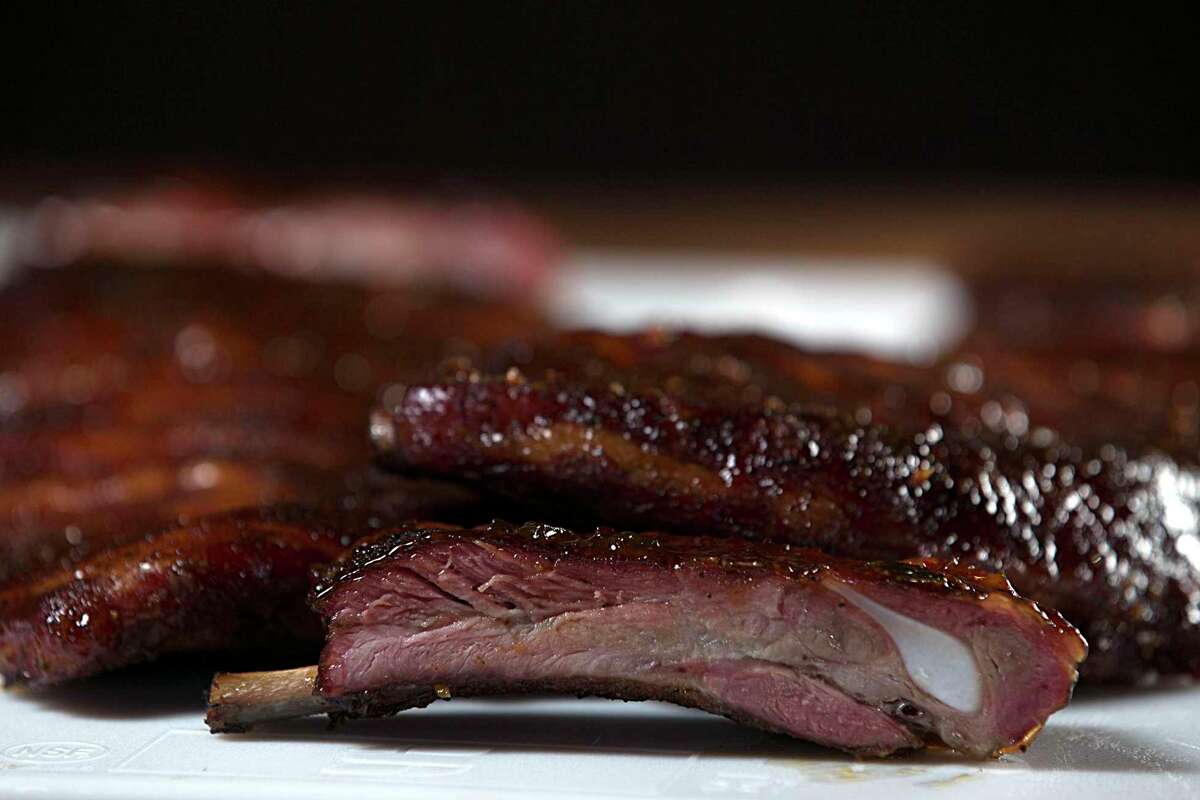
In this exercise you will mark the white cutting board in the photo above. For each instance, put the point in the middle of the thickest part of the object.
(140, 733)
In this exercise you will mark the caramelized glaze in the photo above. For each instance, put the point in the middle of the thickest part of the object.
(747, 436)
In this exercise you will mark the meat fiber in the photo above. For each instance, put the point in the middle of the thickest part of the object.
(872, 658)
(745, 436)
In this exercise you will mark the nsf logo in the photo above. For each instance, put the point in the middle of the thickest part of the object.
(54, 752)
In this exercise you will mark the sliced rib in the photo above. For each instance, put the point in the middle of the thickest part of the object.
(868, 657)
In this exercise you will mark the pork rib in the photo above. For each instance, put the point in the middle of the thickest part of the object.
(229, 581)
(868, 657)
(138, 398)
(624, 431)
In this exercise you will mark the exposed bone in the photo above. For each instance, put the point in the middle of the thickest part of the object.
(239, 700)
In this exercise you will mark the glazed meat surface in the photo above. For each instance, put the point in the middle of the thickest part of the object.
(750, 437)
(136, 398)
(868, 657)
(230, 581)
(1137, 400)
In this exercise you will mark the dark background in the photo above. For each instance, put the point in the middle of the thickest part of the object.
(606, 92)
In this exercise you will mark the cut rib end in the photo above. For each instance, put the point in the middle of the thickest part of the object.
(239, 700)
